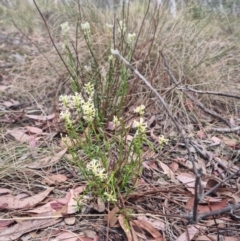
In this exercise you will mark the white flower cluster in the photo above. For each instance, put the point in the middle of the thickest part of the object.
(98, 171)
(131, 37)
(110, 197)
(77, 102)
(116, 121)
(162, 140)
(109, 27)
(86, 28)
(87, 68)
(140, 110)
(122, 26)
(140, 125)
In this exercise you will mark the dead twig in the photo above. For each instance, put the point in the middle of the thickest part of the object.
(225, 130)
(209, 92)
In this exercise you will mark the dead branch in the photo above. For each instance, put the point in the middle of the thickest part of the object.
(229, 209)
(179, 128)
(197, 102)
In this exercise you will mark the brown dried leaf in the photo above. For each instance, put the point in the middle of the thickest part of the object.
(11, 103)
(134, 234)
(174, 166)
(53, 179)
(189, 181)
(19, 135)
(110, 126)
(72, 204)
(230, 142)
(64, 205)
(156, 223)
(70, 221)
(123, 223)
(112, 217)
(215, 238)
(201, 134)
(11, 202)
(216, 140)
(4, 87)
(5, 223)
(67, 143)
(149, 228)
(232, 122)
(17, 230)
(34, 130)
(40, 117)
(100, 207)
(151, 121)
(47, 161)
(5, 190)
(167, 170)
(189, 234)
(70, 236)
(202, 208)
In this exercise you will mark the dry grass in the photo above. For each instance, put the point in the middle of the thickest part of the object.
(200, 51)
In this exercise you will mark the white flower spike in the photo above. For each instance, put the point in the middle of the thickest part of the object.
(140, 110)
(65, 28)
(86, 28)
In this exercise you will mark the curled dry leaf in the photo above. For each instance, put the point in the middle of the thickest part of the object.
(12, 202)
